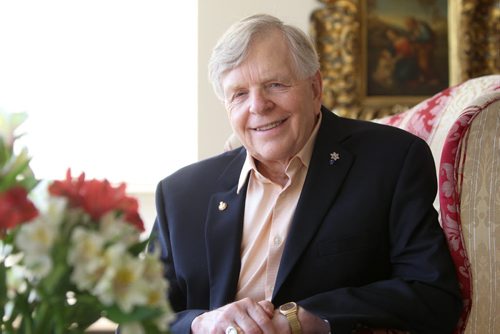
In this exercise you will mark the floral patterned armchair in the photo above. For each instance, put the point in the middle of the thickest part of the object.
(462, 127)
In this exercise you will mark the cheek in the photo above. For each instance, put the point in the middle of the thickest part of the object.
(237, 119)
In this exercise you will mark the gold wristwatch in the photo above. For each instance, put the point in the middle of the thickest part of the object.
(290, 311)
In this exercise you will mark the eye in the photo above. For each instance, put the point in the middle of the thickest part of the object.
(275, 85)
(238, 95)
(278, 86)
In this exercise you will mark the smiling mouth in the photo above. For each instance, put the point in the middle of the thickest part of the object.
(270, 125)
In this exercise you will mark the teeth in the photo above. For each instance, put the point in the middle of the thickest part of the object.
(269, 126)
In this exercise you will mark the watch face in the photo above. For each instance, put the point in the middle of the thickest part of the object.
(287, 306)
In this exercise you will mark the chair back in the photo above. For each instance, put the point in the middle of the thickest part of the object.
(462, 127)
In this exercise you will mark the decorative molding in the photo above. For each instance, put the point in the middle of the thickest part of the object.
(479, 38)
(473, 35)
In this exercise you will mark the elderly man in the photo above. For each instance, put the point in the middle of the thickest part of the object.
(317, 224)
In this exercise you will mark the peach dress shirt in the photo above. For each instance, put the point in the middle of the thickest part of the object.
(269, 209)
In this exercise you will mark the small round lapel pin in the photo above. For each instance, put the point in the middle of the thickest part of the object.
(222, 206)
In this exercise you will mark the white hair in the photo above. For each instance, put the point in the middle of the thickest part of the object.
(232, 48)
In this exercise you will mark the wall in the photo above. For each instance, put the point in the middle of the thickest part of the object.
(214, 17)
(147, 209)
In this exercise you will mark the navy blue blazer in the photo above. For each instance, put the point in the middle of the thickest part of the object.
(364, 247)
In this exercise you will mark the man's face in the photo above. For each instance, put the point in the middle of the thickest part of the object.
(272, 111)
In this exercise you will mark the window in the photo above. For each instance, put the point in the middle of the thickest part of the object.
(109, 85)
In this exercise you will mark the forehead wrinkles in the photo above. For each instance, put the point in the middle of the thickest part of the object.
(255, 74)
(279, 46)
(268, 59)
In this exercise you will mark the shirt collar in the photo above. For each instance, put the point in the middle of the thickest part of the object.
(304, 155)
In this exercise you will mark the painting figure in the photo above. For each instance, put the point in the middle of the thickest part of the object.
(405, 47)
(422, 39)
(405, 67)
(383, 74)
(407, 58)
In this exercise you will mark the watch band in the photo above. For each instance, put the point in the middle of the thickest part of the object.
(290, 311)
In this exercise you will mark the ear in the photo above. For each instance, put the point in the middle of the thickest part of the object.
(317, 87)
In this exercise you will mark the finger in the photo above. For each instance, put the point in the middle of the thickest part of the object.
(255, 319)
(236, 315)
(262, 315)
(268, 307)
(233, 329)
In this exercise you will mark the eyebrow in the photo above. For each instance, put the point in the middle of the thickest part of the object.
(273, 77)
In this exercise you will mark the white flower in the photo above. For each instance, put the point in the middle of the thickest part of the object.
(153, 268)
(15, 162)
(15, 280)
(117, 230)
(86, 255)
(40, 265)
(153, 274)
(122, 282)
(163, 321)
(35, 240)
(53, 207)
(8, 123)
(157, 288)
(86, 246)
(156, 293)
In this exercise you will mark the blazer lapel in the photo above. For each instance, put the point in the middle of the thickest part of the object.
(330, 163)
(224, 228)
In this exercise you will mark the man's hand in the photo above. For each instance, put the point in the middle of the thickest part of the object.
(246, 315)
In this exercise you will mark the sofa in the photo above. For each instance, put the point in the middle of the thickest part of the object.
(462, 127)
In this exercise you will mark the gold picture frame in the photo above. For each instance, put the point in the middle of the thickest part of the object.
(338, 31)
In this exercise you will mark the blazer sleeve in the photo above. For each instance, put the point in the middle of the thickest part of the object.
(183, 317)
(182, 216)
(422, 292)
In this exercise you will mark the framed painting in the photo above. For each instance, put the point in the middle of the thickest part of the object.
(380, 57)
(403, 44)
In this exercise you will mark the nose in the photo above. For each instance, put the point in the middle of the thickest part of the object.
(259, 102)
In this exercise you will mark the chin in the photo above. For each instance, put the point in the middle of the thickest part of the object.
(274, 156)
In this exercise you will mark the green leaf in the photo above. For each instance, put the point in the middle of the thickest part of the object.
(139, 314)
(10, 237)
(43, 318)
(85, 311)
(54, 283)
(138, 248)
(3, 289)
(16, 167)
(5, 152)
(151, 328)
(28, 183)
(23, 308)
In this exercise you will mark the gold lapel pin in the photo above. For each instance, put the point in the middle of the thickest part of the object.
(222, 206)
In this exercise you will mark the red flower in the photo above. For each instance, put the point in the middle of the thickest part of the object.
(98, 198)
(15, 208)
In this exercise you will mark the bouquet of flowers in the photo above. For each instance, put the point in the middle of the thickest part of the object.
(71, 253)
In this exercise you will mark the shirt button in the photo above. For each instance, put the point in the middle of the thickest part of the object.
(277, 241)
